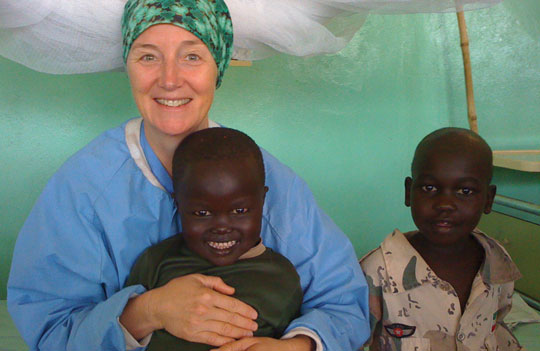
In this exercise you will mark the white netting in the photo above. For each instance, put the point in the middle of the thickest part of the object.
(81, 36)
(409, 6)
(288, 26)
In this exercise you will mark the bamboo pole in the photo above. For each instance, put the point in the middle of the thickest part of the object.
(464, 38)
(240, 63)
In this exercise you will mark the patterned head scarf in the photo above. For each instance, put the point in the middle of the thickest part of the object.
(209, 20)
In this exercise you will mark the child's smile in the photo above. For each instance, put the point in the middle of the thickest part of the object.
(222, 246)
(221, 203)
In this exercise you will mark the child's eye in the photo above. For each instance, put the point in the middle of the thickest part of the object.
(202, 213)
(240, 210)
(465, 191)
(429, 188)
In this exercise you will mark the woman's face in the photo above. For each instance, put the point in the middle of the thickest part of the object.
(173, 79)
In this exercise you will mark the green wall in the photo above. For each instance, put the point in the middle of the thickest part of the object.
(520, 239)
(347, 123)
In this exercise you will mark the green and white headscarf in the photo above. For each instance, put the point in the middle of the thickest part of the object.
(209, 20)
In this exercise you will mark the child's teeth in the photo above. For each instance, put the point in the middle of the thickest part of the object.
(222, 245)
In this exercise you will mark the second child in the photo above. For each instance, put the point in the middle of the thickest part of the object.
(446, 286)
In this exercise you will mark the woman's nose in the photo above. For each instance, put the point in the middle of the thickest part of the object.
(170, 75)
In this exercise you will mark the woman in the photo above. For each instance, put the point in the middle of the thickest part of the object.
(112, 200)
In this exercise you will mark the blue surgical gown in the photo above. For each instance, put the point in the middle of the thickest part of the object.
(102, 209)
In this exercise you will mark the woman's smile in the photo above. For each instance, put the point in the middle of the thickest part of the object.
(172, 102)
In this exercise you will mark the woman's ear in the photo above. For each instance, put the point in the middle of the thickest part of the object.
(490, 196)
(408, 184)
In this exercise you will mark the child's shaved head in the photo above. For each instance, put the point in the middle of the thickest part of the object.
(454, 141)
(216, 144)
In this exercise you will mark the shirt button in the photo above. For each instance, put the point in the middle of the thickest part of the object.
(461, 337)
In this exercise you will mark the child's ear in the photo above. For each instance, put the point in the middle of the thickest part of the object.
(490, 196)
(408, 183)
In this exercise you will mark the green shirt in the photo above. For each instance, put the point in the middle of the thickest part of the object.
(268, 282)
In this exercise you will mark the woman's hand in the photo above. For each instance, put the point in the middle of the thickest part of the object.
(194, 308)
(298, 343)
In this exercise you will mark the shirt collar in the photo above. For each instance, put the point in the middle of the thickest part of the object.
(408, 269)
(405, 267)
(255, 251)
(498, 267)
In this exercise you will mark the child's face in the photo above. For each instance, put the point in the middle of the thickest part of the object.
(220, 204)
(448, 193)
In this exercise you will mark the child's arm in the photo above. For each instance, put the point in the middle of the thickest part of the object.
(297, 343)
(370, 264)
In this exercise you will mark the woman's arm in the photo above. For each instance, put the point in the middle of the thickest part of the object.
(63, 289)
(335, 303)
(297, 343)
(194, 308)
(64, 295)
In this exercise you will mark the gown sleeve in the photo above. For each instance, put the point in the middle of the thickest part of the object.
(64, 291)
(336, 294)
(335, 302)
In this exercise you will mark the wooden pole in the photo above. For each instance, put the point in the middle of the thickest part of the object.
(240, 63)
(471, 108)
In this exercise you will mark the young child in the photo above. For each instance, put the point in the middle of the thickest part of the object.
(219, 185)
(446, 286)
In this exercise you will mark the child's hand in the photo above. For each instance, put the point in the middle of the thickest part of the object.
(298, 343)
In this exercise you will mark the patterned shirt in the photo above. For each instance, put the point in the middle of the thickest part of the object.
(413, 309)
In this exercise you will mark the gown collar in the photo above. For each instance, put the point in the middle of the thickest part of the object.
(144, 156)
(155, 164)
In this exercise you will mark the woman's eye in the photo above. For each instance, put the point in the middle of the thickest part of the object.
(465, 191)
(429, 188)
(202, 213)
(148, 58)
(192, 57)
(240, 210)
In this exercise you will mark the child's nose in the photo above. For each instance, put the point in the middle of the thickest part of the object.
(222, 224)
(221, 230)
(445, 202)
